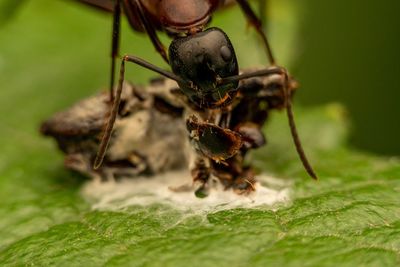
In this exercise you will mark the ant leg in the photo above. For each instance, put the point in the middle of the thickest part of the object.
(293, 128)
(256, 23)
(200, 174)
(286, 89)
(115, 107)
(263, 12)
(134, 11)
(115, 44)
(105, 5)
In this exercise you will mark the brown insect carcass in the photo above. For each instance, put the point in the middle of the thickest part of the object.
(152, 129)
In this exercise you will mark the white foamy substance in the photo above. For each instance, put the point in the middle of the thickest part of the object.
(118, 195)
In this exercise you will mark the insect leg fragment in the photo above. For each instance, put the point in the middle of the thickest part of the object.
(115, 107)
(257, 24)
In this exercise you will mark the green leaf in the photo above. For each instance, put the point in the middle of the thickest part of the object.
(8, 8)
(55, 52)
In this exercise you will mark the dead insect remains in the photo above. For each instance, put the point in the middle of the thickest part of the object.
(203, 115)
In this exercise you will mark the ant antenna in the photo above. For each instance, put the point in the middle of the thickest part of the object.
(293, 129)
(111, 120)
(117, 100)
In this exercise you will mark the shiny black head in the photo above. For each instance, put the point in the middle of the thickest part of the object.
(201, 59)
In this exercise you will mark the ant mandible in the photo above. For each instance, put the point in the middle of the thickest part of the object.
(203, 61)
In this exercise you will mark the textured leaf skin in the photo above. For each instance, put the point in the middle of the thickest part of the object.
(52, 57)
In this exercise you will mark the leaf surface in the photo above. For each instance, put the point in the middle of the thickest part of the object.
(53, 53)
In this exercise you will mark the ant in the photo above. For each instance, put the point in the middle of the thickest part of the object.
(204, 65)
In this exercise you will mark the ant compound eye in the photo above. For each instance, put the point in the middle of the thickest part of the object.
(226, 53)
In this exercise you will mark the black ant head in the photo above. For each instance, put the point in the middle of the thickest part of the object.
(200, 60)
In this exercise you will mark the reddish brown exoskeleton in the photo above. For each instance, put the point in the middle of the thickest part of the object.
(226, 118)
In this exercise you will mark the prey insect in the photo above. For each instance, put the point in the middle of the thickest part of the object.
(225, 119)
(150, 132)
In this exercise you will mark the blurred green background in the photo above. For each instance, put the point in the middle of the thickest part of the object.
(349, 52)
(342, 51)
